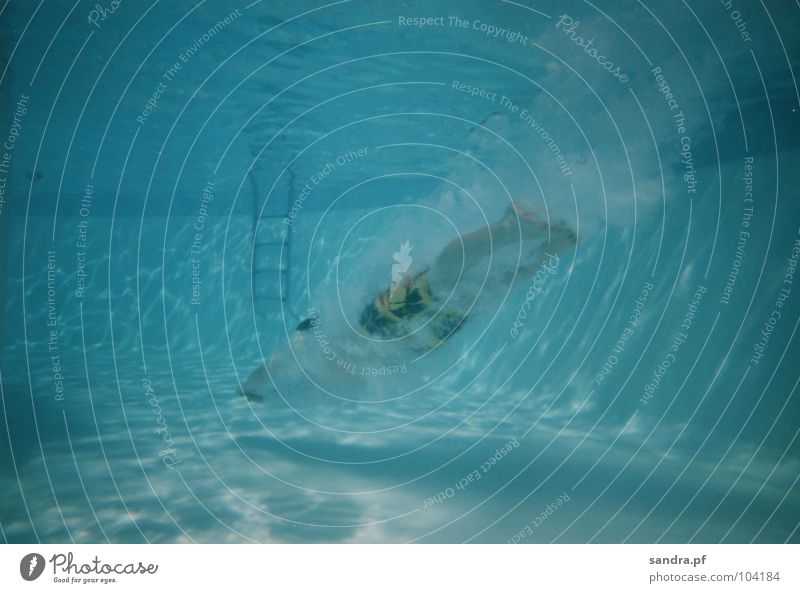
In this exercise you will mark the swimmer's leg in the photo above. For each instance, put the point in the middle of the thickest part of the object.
(517, 224)
(560, 238)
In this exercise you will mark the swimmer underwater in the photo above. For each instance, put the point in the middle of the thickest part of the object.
(396, 316)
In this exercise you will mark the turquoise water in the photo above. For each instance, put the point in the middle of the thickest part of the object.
(644, 389)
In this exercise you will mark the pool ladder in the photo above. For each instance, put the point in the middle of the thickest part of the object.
(271, 249)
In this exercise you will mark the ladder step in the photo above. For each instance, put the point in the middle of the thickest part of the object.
(274, 287)
(269, 297)
(277, 243)
(263, 261)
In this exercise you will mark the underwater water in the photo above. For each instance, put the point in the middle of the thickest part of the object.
(183, 183)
